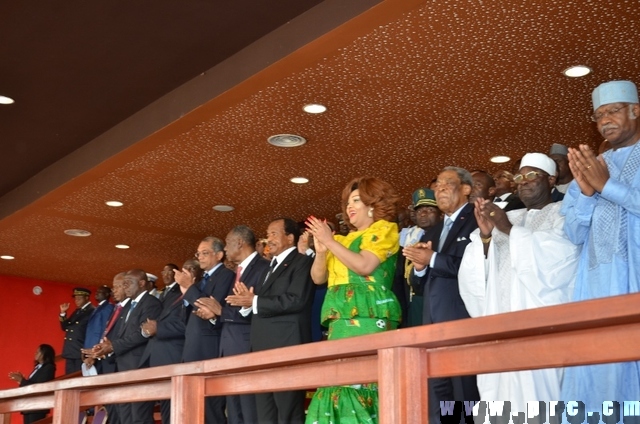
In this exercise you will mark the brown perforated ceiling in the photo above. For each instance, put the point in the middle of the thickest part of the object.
(410, 87)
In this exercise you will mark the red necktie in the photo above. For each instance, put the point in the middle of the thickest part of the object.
(112, 321)
(238, 274)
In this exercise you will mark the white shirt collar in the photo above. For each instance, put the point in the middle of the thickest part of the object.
(454, 215)
(244, 264)
(212, 270)
(282, 256)
(137, 299)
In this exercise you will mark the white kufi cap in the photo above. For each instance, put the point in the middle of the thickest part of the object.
(540, 161)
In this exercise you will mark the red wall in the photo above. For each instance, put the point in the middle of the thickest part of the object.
(28, 320)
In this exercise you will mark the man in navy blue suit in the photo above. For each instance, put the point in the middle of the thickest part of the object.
(436, 260)
(98, 321)
(202, 336)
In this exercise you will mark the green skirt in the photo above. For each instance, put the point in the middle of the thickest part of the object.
(353, 310)
(344, 405)
(359, 308)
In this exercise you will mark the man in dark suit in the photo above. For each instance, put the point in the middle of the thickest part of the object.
(281, 308)
(202, 336)
(436, 262)
(114, 323)
(98, 321)
(129, 343)
(251, 268)
(166, 340)
(505, 196)
(75, 328)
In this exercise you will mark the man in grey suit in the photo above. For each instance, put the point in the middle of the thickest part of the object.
(281, 308)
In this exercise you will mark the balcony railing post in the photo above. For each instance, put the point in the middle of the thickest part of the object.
(66, 406)
(402, 385)
(187, 399)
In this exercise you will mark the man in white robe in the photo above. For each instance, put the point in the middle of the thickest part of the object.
(519, 260)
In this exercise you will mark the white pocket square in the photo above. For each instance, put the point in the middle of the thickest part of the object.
(461, 238)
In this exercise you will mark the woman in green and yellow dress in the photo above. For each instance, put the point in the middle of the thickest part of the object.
(359, 268)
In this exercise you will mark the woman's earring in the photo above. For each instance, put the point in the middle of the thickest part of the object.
(370, 213)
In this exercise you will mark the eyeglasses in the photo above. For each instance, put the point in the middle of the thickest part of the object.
(529, 176)
(203, 253)
(600, 115)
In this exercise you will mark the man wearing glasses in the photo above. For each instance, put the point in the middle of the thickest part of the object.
(602, 208)
(520, 260)
(202, 336)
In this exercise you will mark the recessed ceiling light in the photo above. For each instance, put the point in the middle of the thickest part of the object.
(122, 246)
(314, 108)
(114, 203)
(223, 208)
(77, 233)
(286, 140)
(299, 180)
(4, 100)
(500, 159)
(577, 71)
(7, 257)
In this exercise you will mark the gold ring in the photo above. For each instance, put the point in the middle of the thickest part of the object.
(588, 166)
(492, 213)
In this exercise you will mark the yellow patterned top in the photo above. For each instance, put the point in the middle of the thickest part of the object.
(381, 238)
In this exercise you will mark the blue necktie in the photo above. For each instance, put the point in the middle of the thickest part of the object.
(448, 222)
(133, 306)
(204, 280)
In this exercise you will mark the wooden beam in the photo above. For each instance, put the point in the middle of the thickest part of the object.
(595, 346)
(331, 373)
(187, 400)
(158, 390)
(27, 403)
(66, 406)
(402, 386)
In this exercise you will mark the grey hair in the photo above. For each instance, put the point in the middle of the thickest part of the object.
(216, 244)
(245, 234)
(463, 174)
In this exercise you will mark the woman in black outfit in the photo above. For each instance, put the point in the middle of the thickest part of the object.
(44, 371)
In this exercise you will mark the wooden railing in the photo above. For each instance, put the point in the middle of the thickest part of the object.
(400, 361)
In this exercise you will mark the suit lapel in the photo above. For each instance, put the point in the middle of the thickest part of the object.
(435, 239)
(460, 221)
(169, 302)
(134, 313)
(279, 270)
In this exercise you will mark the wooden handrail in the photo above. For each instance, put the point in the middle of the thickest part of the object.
(555, 336)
